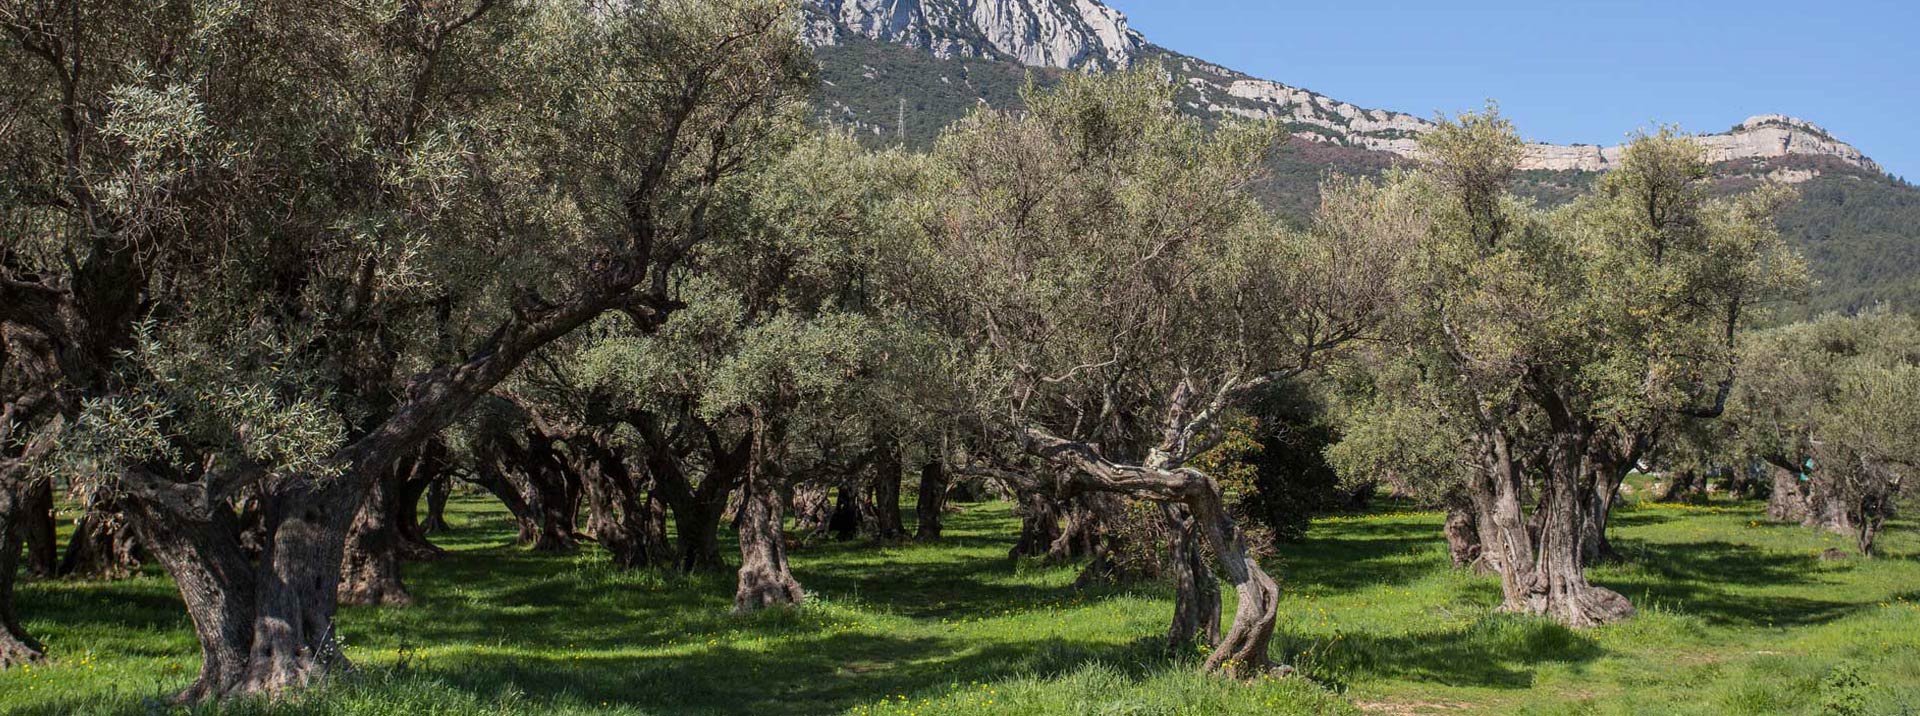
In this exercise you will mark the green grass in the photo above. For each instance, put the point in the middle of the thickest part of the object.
(1737, 617)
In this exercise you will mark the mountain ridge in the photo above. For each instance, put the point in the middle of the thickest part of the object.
(1086, 35)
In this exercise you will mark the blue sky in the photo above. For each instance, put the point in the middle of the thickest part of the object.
(1582, 70)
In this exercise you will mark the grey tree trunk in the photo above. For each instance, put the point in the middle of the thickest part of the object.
(1463, 534)
(765, 581)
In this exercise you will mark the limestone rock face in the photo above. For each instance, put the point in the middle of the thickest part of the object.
(1068, 34)
(1089, 36)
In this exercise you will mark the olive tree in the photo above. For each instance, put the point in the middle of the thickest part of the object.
(281, 246)
(1551, 351)
(1116, 293)
(1830, 404)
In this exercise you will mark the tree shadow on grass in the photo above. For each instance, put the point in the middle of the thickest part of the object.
(1497, 651)
(1714, 580)
(780, 678)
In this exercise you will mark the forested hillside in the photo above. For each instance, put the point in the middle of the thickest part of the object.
(1859, 229)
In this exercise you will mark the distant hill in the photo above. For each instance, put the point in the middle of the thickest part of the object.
(897, 71)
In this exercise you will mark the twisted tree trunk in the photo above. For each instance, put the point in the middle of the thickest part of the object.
(628, 526)
(1542, 567)
(1242, 649)
(765, 581)
(1196, 602)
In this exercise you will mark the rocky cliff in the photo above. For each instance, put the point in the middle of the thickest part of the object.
(1072, 34)
(1089, 36)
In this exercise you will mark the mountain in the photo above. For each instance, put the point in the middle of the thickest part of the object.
(897, 71)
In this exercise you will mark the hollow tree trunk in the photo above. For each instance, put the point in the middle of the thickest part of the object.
(437, 493)
(930, 510)
(103, 545)
(34, 522)
(16, 646)
(1196, 602)
(765, 581)
(887, 469)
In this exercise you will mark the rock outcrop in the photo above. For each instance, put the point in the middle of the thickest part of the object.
(1068, 34)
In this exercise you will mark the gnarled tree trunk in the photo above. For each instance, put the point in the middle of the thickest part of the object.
(103, 545)
(1463, 533)
(1039, 526)
(1541, 566)
(765, 580)
(370, 567)
(1196, 601)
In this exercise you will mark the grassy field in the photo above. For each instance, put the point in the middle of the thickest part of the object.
(1737, 617)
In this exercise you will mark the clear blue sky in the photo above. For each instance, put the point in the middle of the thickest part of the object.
(1582, 70)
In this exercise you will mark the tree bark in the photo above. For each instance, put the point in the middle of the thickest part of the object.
(103, 545)
(887, 469)
(34, 521)
(629, 527)
(1196, 602)
(1463, 533)
(930, 511)
(437, 493)
(1542, 570)
(1039, 526)
(428, 468)
(370, 569)
(555, 497)
(765, 580)
(16, 646)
